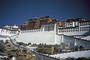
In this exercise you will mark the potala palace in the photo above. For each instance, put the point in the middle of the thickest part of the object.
(44, 30)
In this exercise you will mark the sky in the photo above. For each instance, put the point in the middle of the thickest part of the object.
(18, 11)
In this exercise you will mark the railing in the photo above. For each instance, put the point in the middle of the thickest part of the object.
(40, 56)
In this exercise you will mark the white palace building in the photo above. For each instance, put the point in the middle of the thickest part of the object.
(72, 33)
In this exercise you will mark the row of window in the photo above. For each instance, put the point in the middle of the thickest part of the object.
(81, 24)
(75, 29)
(68, 30)
(32, 30)
(49, 28)
(86, 23)
(85, 29)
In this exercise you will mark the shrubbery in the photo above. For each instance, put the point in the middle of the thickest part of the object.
(2, 46)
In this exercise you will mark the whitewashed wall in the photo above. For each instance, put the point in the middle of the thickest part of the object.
(50, 37)
(45, 37)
